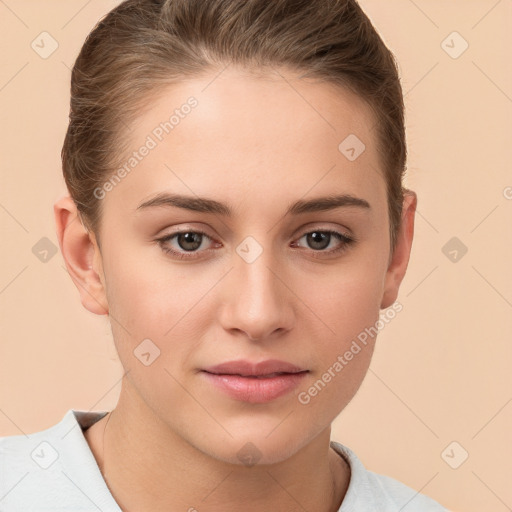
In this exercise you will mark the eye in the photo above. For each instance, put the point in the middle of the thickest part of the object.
(188, 241)
(319, 240)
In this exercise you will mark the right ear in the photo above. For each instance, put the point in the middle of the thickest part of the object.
(81, 255)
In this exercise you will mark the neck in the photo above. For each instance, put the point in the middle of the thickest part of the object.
(148, 467)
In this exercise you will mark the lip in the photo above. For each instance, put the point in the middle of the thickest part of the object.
(255, 382)
(248, 368)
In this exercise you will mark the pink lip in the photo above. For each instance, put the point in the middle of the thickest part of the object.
(255, 382)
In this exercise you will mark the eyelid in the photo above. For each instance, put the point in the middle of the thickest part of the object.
(312, 227)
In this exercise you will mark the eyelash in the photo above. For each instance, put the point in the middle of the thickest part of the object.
(347, 242)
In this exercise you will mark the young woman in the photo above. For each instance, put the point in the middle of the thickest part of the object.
(236, 208)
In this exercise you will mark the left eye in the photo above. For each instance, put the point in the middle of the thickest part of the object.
(191, 241)
(320, 240)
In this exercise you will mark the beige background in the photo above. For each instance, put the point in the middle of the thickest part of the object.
(441, 371)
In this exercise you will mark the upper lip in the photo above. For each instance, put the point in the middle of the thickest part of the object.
(248, 368)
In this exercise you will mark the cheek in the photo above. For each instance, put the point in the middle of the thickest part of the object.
(155, 330)
(146, 294)
(348, 304)
(342, 302)
(347, 296)
(158, 318)
(341, 364)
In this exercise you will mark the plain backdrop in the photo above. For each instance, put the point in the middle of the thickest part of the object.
(439, 386)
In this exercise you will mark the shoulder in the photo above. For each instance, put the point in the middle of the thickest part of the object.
(41, 449)
(26, 450)
(51, 469)
(373, 492)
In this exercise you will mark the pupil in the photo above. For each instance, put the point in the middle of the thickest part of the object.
(318, 237)
(189, 239)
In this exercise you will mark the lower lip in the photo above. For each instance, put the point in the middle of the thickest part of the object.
(254, 390)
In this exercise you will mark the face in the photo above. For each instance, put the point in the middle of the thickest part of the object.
(265, 270)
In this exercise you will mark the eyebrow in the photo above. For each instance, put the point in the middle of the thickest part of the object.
(206, 205)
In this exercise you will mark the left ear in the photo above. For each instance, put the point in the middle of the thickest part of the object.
(400, 258)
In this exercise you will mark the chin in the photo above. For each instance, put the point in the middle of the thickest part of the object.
(251, 446)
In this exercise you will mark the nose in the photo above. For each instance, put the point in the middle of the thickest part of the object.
(256, 299)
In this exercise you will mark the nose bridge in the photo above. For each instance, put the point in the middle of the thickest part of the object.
(255, 300)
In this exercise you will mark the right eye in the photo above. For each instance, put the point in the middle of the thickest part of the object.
(188, 241)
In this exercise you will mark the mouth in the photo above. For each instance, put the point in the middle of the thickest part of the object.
(255, 382)
(265, 376)
(244, 368)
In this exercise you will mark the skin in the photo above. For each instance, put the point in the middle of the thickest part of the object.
(257, 144)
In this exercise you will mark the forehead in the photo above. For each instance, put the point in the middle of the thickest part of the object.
(261, 104)
(239, 134)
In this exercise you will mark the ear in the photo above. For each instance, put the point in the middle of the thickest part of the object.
(81, 255)
(400, 257)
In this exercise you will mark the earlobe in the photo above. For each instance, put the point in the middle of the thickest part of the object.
(81, 255)
(400, 259)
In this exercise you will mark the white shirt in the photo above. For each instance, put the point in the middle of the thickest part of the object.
(55, 470)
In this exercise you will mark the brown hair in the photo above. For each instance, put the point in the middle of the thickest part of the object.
(143, 45)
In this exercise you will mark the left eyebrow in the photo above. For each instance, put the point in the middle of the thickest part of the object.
(206, 205)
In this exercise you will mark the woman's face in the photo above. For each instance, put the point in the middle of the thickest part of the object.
(262, 282)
